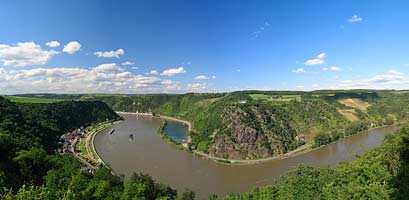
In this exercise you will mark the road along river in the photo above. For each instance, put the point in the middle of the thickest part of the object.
(148, 153)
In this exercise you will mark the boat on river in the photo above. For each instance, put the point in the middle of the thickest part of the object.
(130, 137)
(111, 131)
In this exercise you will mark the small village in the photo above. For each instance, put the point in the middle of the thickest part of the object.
(69, 146)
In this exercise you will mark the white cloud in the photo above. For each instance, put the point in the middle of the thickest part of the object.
(197, 86)
(332, 68)
(110, 54)
(390, 80)
(299, 71)
(53, 43)
(135, 68)
(110, 67)
(152, 72)
(24, 54)
(355, 18)
(128, 63)
(319, 60)
(213, 77)
(104, 78)
(201, 77)
(171, 72)
(72, 47)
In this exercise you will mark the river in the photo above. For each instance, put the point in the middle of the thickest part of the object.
(148, 153)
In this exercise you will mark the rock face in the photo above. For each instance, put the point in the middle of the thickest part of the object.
(253, 132)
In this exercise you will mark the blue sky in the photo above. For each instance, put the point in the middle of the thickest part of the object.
(177, 46)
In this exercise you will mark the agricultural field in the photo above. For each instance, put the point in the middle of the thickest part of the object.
(349, 114)
(19, 99)
(355, 103)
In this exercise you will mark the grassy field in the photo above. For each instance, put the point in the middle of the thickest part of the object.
(32, 99)
(276, 97)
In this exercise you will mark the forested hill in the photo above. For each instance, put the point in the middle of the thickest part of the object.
(29, 131)
(256, 124)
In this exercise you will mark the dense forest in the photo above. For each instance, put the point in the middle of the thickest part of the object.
(257, 124)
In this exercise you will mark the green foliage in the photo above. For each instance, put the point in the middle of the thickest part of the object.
(322, 139)
(142, 186)
(188, 195)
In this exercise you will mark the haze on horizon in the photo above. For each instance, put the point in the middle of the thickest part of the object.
(180, 46)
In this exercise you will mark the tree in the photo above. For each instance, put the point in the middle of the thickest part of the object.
(188, 195)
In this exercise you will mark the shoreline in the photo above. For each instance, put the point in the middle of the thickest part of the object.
(296, 152)
(90, 142)
(92, 153)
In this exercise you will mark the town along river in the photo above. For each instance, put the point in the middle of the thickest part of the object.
(148, 153)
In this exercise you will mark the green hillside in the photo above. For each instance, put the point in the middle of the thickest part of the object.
(257, 124)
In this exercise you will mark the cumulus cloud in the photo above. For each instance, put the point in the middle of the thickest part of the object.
(197, 86)
(201, 77)
(332, 68)
(355, 18)
(104, 78)
(390, 80)
(53, 43)
(72, 47)
(109, 67)
(319, 60)
(128, 63)
(172, 72)
(110, 54)
(299, 71)
(24, 54)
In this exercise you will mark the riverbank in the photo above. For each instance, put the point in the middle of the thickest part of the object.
(86, 146)
(225, 161)
(252, 161)
(296, 152)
